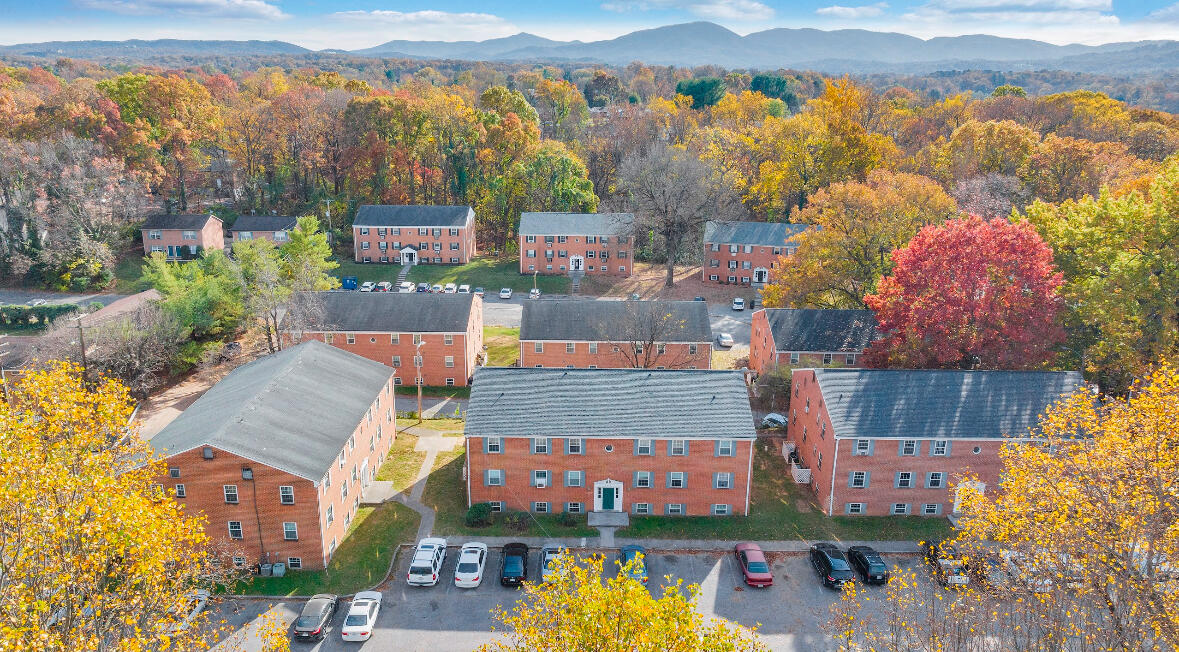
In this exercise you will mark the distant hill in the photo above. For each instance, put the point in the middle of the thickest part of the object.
(698, 43)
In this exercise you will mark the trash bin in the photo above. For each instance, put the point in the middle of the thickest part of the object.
(267, 569)
(279, 569)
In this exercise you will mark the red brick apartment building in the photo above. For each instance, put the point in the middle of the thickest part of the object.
(414, 234)
(387, 327)
(276, 455)
(594, 243)
(591, 334)
(637, 441)
(744, 253)
(881, 442)
(182, 237)
(276, 228)
(809, 337)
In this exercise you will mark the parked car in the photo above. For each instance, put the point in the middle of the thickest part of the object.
(534, 293)
(513, 566)
(427, 562)
(405, 288)
(724, 339)
(773, 420)
(450, 288)
(754, 567)
(37, 302)
(436, 289)
(348, 282)
(464, 289)
(548, 562)
(634, 296)
(989, 571)
(698, 299)
(384, 286)
(468, 573)
(362, 615)
(738, 304)
(869, 564)
(423, 287)
(831, 565)
(479, 292)
(505, 293)
(639, 554)
(367, 286)
(312, 623)
(948, 565)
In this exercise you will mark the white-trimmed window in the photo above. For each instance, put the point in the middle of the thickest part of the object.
(538, 347)
(904, 480)
(693, 349)
(677, 447)
(493, 445)
(493, 477)
(188, 235)
(239, 562)
(155, 234)
(644, 447)
(540, 479)
(575, 478)
(722, 510)
(900, 509)
(330, 515)
(174, 472)
(931, 509)
(540, 507)
(290, 531)
(540, 446)
(286, 495)
(574, 508)
(854, 508)
(858, 479)
(449, 361)
(644, 479)
(723, 480)
(939, 447)
(230, 491)
(794, 357)
(235, 529)
(496, 505)
(570, 347)
(863, 447)
(677, 480)
(351, 337)
(641, 509)
(450, 382)
(908, 447)
(574, 446)
(294, 563)
(180, 491)
(849, 359)
(826, 358)
(726, 448)
(935, 480)
(673, 509)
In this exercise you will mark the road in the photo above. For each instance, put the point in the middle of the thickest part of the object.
(22, 297)
(444, 618)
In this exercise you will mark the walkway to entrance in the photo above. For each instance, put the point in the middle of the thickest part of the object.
(607, 523)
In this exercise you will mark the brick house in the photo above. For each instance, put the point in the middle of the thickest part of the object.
(277, 453)
(882, 441)
(414, 234)
(276, 228)
(809, 337)
(387, 327)
(638, 441)
(583, 333)
(744, 253)
(182, 237)
(594, 243)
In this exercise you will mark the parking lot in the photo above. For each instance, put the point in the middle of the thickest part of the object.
(442, 618)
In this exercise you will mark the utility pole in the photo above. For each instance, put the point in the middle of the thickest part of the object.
(417, 362)
(82, 342)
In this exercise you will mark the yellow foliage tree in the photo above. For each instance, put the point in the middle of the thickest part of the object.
(93, 555)
(581, 612)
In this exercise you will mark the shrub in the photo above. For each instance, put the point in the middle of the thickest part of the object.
(479, 515)
(33, 316)
(566, 519)
(516, 521)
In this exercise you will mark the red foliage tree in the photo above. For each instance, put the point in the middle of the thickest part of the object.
(969, 293)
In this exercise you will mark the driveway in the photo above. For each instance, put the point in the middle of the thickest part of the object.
(442, 618)
(21, 297)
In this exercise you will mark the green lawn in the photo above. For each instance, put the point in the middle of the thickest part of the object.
(776, 514)
(503, 345)
(429, 390)
(489, 273)
(402, 464)
(129, 273)
(446, 492)
(361, 561)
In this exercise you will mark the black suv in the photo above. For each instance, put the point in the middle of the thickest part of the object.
(868, 564)
(513, 567)
(831, 565)
(317, 613)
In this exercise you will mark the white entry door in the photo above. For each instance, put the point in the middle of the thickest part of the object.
(761, 275)
(577, 263)
(607, 496)
(409, 256)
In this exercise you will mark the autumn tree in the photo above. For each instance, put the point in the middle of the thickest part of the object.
(643, 331)
(857, 226)
(264, 289)
(92, 554)
(580, 611)
(673, 194)
(203, 294)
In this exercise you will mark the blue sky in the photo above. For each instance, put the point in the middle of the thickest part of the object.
(352, 24)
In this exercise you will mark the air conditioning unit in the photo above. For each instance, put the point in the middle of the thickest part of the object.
(542, 483)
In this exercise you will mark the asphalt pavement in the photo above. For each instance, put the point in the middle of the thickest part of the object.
(23, 297)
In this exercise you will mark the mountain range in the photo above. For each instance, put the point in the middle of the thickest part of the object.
(698, 43)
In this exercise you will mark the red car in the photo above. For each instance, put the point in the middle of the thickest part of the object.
(753, 565)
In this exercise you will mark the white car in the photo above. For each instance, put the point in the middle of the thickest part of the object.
(435, 289)
(362, 615)
(738, 304)
(534, 293)
(427, 562)
(724, 339)
(367, 286)
(471, 562)
(405, 287)
(505, 293)
(464, 289)
(548, 562)
(450, 288)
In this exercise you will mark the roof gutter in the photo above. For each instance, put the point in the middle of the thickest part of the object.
(834, 464)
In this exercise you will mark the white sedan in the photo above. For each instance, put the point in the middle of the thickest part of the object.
(450, 288)
(367, 286)
(505, 293)
(738, 304)
(471, 563)
(362, 615)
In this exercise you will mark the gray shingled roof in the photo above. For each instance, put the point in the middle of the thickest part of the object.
(824, 331)
(576, 223)
(939, 404)
(768, 234)
(264, 223)
(623, 403)
(184, 222)
(380, 312)
(292, 410)
(418, 216)
(588, 320)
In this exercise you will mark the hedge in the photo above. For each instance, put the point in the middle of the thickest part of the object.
(33, 316)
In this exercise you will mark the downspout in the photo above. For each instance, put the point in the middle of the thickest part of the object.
(834, 465)
(749, 476)
(467, 446)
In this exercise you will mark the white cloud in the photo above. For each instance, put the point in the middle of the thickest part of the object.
(739, 10)
(191, 8)
(852, 13)
(1022, 5)
(1061, 21)
(433, 25)
(1167, 14)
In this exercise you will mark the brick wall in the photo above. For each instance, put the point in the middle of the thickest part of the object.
(678, 355)
(397, 238)
(517, 461)
(716, 263)
(379, 347)
(212, 236)
(763, 355)
(619, 255)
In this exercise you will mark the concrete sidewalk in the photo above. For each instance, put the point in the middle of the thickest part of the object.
(671, 545)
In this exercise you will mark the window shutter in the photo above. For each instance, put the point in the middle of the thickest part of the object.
(896, 480)
(485, 445)
(716, 480)
(716, 448)
(871, 446)
(867, 479)
(917, 449)
(635, 479)
(668, 446)
(548, 446)
(567, 445)
(900, 448)
(850, 476)
(667, 480)
(532, 479)
(685, 485)
(486, 475)
(687, 447)
(636, 450)
(948, 445)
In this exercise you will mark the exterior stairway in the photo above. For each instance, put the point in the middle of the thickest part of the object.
(403, 273)
(575, 278)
